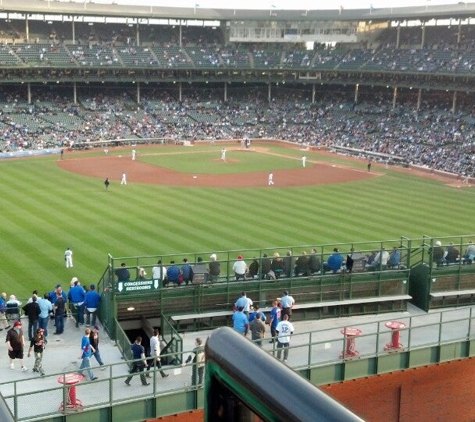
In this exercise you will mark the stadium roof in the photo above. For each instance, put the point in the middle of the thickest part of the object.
(461, 10)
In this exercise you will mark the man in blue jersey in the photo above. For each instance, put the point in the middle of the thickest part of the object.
(274, 319)
(138, 354)
(87, 352)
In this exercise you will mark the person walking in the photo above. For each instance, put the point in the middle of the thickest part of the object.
(133, 154)
(155, 351)
(284, 330)
(123, 179)
(270, 179)
(37, 344)
(107, 183)
(138, 354)
(68, 258)
(197, 357)
(15, 345)
(94, 340)
(304, 160)
(86, 354)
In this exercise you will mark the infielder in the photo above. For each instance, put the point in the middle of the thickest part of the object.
(123, 180)
(223, 154)
(270, 179)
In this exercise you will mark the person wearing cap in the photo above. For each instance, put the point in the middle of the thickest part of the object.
(37, 344)
(68, 258)
(214, 268)
(92, 301)
(286, 302)
(15, 345)
(76, 296)
(240, 269)
(94, 340)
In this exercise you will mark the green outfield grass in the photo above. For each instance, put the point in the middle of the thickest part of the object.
(45, 210)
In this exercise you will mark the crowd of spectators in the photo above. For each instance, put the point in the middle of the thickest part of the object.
(433, 136)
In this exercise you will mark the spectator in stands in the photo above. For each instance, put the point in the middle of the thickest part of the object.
(214, 268)
(256, 311)
(12, 309)
(258, 329)
(159, 272)
(284, 330)
(91, 304)
(274, 320)
(369, 259)
(451, 254)
(334, 262)
(349, 261)
(302, 265)
(314, 264)
(240, 269)
(254, 269)
(240, 321)
(122, 273)
(277, 265)
(32, 311)
(469, 254)
(198, 360)
(174, 274)
(287, 264)
(186, 272)
(142, 275)
(437, 253)
(76, 296)
(245, 303)
(394, 258)
(287, 302)
(380, 260)
(266, 272)
(3, 318)
(46, 308)
(59, 311)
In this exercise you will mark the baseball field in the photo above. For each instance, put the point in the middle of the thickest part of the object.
(181, 199)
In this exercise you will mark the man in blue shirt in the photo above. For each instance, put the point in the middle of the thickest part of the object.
(76, 296)
(173, 274)
(255, 312)
(335, 261)
(45, 309)
(91, 303)
(138, 352)
(274, 319)
(187, 272)
(240, 321)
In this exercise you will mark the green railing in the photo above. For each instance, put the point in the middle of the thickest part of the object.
(320, 356)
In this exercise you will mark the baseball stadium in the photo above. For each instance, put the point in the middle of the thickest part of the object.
(329, 153)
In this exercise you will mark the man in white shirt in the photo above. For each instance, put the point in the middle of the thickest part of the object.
(240, 269)
(159, 272)
(155, 354)
(284, 330)
(287, 302)
(381, 259)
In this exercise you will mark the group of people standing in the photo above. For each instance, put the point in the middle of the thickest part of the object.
(279, 321)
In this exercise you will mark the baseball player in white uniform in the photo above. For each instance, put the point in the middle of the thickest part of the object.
(270, 179)
(68, 257)
(123, 180)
